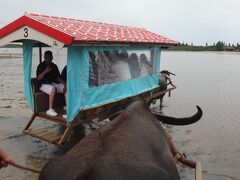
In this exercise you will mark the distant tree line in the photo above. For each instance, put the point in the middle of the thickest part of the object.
(12, 45)
(219, 46)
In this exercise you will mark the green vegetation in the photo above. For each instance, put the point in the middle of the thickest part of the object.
(219, 46)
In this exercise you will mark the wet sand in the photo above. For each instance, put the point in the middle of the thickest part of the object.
(210, 80)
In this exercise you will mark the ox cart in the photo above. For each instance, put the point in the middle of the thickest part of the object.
(107, 66)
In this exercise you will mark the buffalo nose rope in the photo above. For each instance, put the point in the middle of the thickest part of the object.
(23, 167)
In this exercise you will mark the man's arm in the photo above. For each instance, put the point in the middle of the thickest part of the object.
(59, 79)
(41, 75)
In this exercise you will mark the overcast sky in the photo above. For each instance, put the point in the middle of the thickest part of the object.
(197, 21)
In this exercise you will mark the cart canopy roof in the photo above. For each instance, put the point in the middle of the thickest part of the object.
(58, 31)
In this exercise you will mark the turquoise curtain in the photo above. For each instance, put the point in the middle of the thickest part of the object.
(27, 67)
(75, 59)
(80, 96)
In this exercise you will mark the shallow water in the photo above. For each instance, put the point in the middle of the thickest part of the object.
(210, 80)
(207, 79)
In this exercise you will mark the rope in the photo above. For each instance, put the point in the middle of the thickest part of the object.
(177, 156)
(23, 167)
(182, 157)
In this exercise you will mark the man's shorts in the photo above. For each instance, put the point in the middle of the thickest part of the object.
(47, 88)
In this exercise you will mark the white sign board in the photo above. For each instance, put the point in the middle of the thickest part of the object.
(30, 34)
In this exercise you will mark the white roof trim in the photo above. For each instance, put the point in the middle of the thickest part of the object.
(31, 34)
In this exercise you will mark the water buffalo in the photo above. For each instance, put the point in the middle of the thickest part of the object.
(132, 146)
(164, 81)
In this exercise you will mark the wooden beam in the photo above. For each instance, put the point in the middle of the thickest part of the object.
(40, 53)
(198, 171)
(30, 121)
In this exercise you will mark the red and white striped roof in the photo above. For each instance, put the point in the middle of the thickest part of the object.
(73, 31)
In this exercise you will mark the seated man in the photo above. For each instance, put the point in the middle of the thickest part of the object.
(64, 78)
(50, 80)
(64, 74)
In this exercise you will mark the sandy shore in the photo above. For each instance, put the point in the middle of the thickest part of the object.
(10, 55)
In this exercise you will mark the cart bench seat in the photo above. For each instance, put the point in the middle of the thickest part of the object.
(41, 98)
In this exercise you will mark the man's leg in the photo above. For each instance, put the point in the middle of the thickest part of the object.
(51, 91)
(51, 97)
(60, 89)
